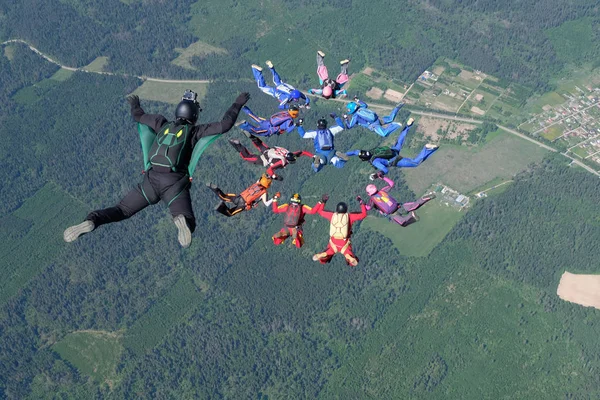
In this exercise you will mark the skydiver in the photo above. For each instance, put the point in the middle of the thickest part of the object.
(381, 200)
(282, 91)
(246, 200)
(294, 218)
(279, 123)
(323, 140)
(330, 88)
(340, 231)
(360, 114)
(271, 157)
(385, 156)
(167, 178)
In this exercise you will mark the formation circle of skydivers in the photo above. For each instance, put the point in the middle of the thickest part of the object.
(171, 150)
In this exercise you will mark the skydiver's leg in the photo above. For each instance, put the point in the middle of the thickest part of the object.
(325, 256)
(411, 163)
(414, 205)
(254, 117)
(134, 201)
(321, 68)
(381, 164)
(297, 237)
(342, 78)
(386, 131)
(337, 162)
(259, 144)
(341, 93)
(403, 220)
(177, 198)
(319, 160)
(260, 81)
(276, 78)
(400, 141)
(226, 211)
(228, 197)
(244, 153)
(280, 236)
(392, 116)
(349, 255)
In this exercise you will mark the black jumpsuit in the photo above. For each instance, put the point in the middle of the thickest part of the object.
(171, 185)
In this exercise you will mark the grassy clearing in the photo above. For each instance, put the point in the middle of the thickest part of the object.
(9, 52)
(579, 151)
(552, 99)
(97, 65)
(573, 37)
(466, 168)
(197, 49)
(61, 75)
(93, 353)
(553, 132)
(169, 92)
(26, 252)
(420, 238)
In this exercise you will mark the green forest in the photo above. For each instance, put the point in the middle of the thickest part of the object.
(124, 312)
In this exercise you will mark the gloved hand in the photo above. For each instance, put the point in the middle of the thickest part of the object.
(356, 99)
(277, 177)
(345, 116)
(324, 198)
(333, 115)
(277, 195)
(133, 100)
(300, 122)
(307, 106)
(373, 176)
(360, 200)
(242, 98)
(380, 174)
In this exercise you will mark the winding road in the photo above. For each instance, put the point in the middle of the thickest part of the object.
(373, 105)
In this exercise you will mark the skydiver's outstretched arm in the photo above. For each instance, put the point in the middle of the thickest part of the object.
(278, 209)
(154, 121)
(266, 202)
(389, 186)
(352, 123)
(216, 128)
(313, 210)
(357, 216)
(325, 214)
(306, 135)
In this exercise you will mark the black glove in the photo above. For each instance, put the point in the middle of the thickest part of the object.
(242, 98)
(333, 115)
(360, 200)
(324, 198)
(380, 174)
(277, 177)
(133, 100)
(300, 122)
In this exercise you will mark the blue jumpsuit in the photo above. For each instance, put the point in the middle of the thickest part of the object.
(279, 123)
(282, 91)
(382, 164)
(364, 117)
(324, 146)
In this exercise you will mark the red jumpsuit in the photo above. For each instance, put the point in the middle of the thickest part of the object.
(293, 221)
(340, 231)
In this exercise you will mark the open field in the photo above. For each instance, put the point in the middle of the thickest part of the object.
(32, 237)
(466, 168)
(93, 353)
(197, 49)
(97, 65)
(420, 238)
(169, 92)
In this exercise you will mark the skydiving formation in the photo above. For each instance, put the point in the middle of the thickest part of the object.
(360, 114)
(172, 149)
(285, 93)
(384, 156)
(330, 88)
